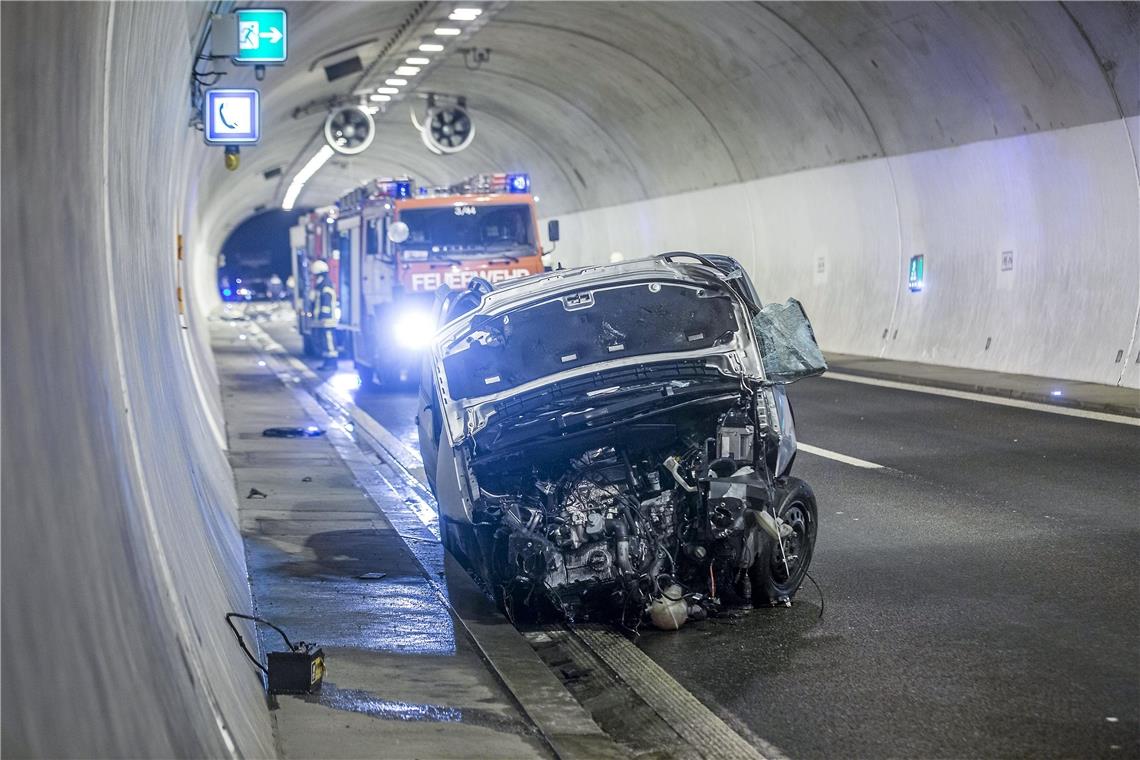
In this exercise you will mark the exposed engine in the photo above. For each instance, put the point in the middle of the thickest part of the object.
(629, 532)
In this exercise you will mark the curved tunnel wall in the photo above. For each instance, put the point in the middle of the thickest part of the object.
(1063, 203)
(783, 134)
(120, 546)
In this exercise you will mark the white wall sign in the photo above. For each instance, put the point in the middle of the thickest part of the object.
(231, 117)
(1005, 270)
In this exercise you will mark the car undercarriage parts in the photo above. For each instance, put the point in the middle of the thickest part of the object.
(634, 532)
(672, 465)
(670, 610)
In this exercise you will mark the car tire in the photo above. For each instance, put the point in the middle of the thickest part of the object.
(367, 377)
(388, 378)
(771, 582)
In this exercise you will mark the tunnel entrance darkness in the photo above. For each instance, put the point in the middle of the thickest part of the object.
(253, 263)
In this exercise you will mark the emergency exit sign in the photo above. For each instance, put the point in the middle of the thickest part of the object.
(916, 275)
(263, 36)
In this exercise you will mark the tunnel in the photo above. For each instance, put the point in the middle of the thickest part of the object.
(823, 145)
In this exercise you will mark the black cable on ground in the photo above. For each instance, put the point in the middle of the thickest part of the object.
(241, 641)
(817, 588)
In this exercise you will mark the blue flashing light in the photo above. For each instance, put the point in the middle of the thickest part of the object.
(394, 188)
(227, 292)
(423, 191)
(518, 183)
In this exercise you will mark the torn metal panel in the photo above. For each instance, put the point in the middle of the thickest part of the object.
(607, 444)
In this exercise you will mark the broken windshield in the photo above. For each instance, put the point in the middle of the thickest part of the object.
(787, 343)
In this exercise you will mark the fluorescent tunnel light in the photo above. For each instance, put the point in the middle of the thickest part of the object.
(307, 171)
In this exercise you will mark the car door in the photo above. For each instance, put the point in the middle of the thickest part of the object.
(429, 423)
(448, 305)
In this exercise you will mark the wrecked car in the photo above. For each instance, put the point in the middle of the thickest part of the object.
(614, 443)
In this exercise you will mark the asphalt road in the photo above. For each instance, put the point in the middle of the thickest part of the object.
(982, 594)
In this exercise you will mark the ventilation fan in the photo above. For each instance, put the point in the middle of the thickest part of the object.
(447, 129)
(349, 130)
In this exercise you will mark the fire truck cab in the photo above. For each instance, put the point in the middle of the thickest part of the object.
(394, 246)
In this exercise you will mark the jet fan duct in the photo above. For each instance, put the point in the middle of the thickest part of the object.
(447, 129)
(349, 130)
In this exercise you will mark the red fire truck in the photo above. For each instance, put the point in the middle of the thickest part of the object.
(390, 246)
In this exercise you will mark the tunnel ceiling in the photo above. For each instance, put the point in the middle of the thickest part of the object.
(606, 103)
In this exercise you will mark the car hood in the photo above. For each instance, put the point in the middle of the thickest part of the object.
(592, 346)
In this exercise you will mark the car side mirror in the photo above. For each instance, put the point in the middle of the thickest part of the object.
(552, 230)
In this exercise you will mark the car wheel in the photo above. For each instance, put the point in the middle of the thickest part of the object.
(367, 377)
(393, 378)
(776, 575)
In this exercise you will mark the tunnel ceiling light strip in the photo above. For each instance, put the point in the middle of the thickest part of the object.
(411, 67)
(307, 171)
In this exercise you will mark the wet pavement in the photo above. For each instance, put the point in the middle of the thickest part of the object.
(981, 594)
(328, 567)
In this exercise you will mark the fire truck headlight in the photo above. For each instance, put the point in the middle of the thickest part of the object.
(413, 328)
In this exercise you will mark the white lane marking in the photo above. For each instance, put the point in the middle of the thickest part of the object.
(853, 461)
(1036, 406)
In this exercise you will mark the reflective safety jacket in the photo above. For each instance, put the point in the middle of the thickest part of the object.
(324, 302)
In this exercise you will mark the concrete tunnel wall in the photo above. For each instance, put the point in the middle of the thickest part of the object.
(781, 134)
(839, 239)
(121, 552)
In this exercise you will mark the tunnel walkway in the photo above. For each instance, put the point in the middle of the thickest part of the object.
(326, 565)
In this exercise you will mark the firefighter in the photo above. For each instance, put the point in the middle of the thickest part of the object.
(324, 314)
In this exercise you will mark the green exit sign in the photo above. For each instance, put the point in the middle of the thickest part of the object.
(916, 275)
(263, 36)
